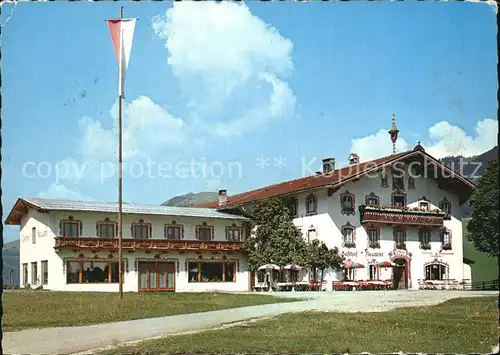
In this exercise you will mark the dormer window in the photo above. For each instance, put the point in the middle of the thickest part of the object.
(311, 204)
(348, 235)
(445, 206)
(423, 205)
(347, 203)
(398, 199)
(372, 200)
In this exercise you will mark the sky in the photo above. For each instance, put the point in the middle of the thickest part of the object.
(233, 95)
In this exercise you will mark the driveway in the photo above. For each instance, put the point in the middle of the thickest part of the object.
(80, 339)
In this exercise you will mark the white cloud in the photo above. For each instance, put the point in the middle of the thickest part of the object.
(229, 63)
(446, 139)
(443, 139)
(147, 128)
(59, 191)
(376, 145)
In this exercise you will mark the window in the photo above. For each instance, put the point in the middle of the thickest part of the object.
(34, 273)
(383, 180)
(435, 272)
(70, 228)
(45, 272)
(33, 235)
(399, 238)
(204, 232)
(446, 239)
(92, 272)
(397, 177)
(398, 200)
(311, 204)
(141, 230)
(411, 182)
(424, 236)
(348, 236)
(173, 232)
(372, 200)
(106, 229)
(212, 272)
(260, 276)
(423, 205)
(374, 272)
(445, 206)
(233, 233)
(292, 206)
(25, 273)
(347, 203)
(311, 235)
(373, 237)
(349, 274)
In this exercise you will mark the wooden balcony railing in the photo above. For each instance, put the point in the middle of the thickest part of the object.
(129, 244)
(401, 216)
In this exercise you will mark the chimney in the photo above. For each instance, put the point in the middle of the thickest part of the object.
(328, 165)
(222, 197)
(353, 159)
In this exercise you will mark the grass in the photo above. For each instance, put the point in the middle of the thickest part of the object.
(41, 309)
(484, 268)
(456, 326)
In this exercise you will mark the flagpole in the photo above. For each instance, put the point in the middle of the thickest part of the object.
(120, 179)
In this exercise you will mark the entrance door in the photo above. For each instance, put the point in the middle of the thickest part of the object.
(156, 276)
(400, 271)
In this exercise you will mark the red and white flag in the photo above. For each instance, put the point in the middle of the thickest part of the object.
(122, 34)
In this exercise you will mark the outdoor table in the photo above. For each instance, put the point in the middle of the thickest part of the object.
(352, 284)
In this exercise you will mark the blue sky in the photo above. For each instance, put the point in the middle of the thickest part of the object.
(225, 84)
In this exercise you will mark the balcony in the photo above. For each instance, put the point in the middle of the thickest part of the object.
(148, 245)
(401, 216)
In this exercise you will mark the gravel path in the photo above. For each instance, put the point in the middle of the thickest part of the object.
(80, 339)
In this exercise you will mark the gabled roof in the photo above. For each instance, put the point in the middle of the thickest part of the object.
(339, 177)
(46, 205)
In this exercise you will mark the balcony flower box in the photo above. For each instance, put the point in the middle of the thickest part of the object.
(446, 246)
(401, 246)
(374, 245)
(349, 245)
(425, 246)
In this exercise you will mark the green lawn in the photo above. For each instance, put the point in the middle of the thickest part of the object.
(42, 309)
(484, 268)
(456, 326)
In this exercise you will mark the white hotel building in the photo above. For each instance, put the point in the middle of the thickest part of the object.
(402, 208)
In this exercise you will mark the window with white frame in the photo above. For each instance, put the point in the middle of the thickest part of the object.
(446, 238)
(347, 203)
(349, 274)
(33, 235)
(107, 229)
(399, 235)
(372, 200)
(311, 235)
(311, 204)
(424, 236)
(233, 233)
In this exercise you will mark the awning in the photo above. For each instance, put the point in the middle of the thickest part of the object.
(353, 265)
(384, 264)
(269, 267)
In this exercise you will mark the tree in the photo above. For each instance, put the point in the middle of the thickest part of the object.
(320, 258)
(483, 227)
(276, 239)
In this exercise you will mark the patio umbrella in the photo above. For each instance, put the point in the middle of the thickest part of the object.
(385, 264)
(293, 267)
(353, 265)
(269, 267)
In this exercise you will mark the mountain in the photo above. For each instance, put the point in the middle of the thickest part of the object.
(472, 168)
(191, 199)
(10, 254)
